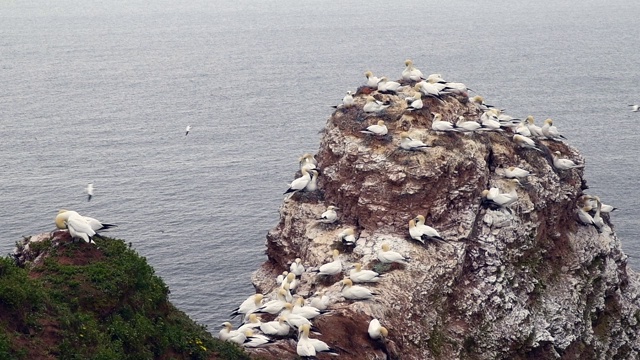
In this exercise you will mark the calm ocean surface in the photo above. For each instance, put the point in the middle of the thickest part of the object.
(102, 92)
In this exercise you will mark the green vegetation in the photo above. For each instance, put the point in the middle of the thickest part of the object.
(88, 302)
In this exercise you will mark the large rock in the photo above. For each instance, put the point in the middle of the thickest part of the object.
(530, 282)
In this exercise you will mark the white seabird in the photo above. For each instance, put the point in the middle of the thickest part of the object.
(306, 311)
(89, 191)
(604, 208)
(535, 130)
(387, 256)
(523, 129)
(516, 172)
(299, 183)
(411, 72)
(280, 278)
(277, 327)
(255, 340)
(374, 106)
(347, 100)
(187, 130)
(377, 331)
(78, 226)
(415, 102)
(550, 131)
(332, 268)
(386, 86)
(227, 331)
(467, 125)
(635, 108)
(355, 292)
(525, 142)
(427, 231)
(407, 143)
(296, 267)
(274, 306)
(318, 345)
(372, 81)
(347, 236)
(330, 216)
(379, 129)
(312, 185)
(249, 305)
(308, 161)
(440, 125)
(320, 301)
(494, 196)
(95, 224)
(428, 89)
(564, 164)
(357, 275)
(252, 322)
(584, 217)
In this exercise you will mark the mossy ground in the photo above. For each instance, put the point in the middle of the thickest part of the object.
(96, 302)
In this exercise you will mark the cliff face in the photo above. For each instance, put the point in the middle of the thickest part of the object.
(527, 283)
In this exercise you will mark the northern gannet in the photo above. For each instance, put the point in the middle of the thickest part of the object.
(319, 345)
(494, 196)
(89, 191)
(300, 183)
(295, 320)
(525, 142)
(78, 226)
(584, 217)
(227, 331)
(347, 236)
(187, 130)
(523, 129)
(372, 81)
(407, 143)
(280, 278)
(535, 130)
(312, 185)
(411, 72)
(440, 125)
(255, 340)
(415, 102)
(386, 86)
(597, 219)
(379, 129)
(385, 255)
(374, 106)
(377, 331)
(308, 161)
(332, 268)
(357, 275)
(306, 311)
(635, 108)
(253, 321)
(564, 164)
(249, 305)
(330, 216)
(428, 89)
(478, 101)
(296, 267)
(273, 306)
(516, 172)
(427, 231)
(347, 100)
(289, 283)
(95, 224)
(550, 131)
(320, 301)
(355, 292)
(278, 327)
(467, 125)
(592, 201)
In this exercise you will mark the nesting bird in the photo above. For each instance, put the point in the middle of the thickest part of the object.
(348, 237)
(377, 331)
(525, 142)
(372, 81)
(378, 129)
(357, 275)
(550, 131)
(347, 100)
(355, 292)
(564, 164)
(411, 72)
(301, 182)
(387, 256)
(410, 144)
(332, 268)
(421, 232)
(330, 216)
(374, 106)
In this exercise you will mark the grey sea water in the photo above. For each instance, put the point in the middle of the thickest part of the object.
(103, 91)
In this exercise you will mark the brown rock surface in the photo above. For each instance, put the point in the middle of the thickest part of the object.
(526, 283)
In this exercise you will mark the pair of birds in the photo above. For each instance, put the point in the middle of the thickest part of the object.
(80, 227)
(308, 182)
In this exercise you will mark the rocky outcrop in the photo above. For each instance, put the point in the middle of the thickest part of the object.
(529, 282)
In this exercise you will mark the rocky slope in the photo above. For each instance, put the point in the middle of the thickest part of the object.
(530, 282)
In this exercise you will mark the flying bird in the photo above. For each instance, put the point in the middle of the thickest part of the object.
(187, 130)
(89, 191)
